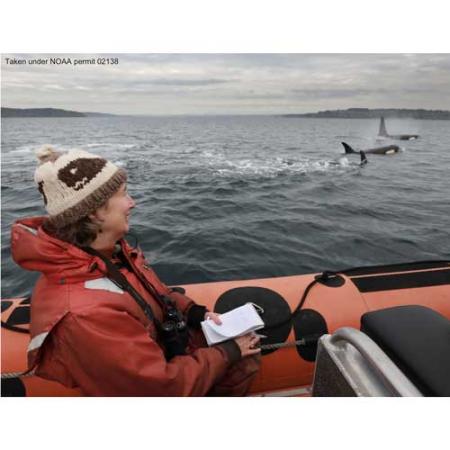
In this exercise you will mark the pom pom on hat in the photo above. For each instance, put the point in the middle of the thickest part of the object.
(47, 153)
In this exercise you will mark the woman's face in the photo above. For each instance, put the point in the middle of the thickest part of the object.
(114, 215)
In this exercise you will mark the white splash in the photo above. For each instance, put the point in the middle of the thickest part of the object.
(109, 145)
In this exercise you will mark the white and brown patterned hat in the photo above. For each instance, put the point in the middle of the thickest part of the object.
(75, 184)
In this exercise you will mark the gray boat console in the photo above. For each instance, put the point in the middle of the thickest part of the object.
(401, 351)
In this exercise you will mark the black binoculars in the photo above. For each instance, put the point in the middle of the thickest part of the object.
(173, 331)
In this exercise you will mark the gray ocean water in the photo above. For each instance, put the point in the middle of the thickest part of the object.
(224, 198)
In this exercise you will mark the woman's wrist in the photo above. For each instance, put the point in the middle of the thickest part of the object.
(232, 351)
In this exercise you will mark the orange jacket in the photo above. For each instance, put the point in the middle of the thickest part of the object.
(87, 333)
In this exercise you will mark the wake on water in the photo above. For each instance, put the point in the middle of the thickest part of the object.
(272, 167)
(213, 164)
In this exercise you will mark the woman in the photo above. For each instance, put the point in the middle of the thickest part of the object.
(99, 312)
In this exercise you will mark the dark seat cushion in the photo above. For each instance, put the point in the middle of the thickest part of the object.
(417, 339)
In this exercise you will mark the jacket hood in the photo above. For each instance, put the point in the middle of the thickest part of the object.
(33, 249)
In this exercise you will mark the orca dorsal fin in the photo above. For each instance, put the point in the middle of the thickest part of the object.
(347, 147)
(363, 158)
(382, 130)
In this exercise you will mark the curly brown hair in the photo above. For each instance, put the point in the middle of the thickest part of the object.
(81, 233)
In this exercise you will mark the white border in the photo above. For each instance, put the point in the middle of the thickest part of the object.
(225, 26)
(231, 26)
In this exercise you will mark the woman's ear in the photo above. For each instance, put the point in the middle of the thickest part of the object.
(99, 215)
(96, 217)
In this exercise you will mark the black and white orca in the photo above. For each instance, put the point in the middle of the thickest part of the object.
(402, 137)
(387, 150)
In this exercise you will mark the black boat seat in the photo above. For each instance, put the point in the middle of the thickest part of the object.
(417, 339)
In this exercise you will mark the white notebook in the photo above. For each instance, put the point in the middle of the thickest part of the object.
(236, 322)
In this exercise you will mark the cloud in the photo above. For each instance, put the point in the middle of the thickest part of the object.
(55, 87)
(186, 82)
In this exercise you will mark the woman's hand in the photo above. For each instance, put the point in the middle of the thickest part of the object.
(214, 317)
(248, 344)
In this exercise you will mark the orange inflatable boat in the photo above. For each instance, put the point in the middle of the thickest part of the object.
(296, 310)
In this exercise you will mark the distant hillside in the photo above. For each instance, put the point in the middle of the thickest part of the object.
(47, 112)
(365, 113)
(39, 112)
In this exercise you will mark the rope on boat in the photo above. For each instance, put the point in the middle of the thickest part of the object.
(283, 344)
(9, 375)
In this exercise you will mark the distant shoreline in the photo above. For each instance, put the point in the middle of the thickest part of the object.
(47, 112)
(351, 113)
(365, 113)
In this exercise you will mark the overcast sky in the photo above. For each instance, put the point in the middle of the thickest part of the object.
(161, 84)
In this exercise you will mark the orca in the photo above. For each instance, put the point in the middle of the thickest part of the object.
(387, 150)
(402, 137)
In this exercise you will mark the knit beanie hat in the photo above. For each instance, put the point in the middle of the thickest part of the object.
(75, 184)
